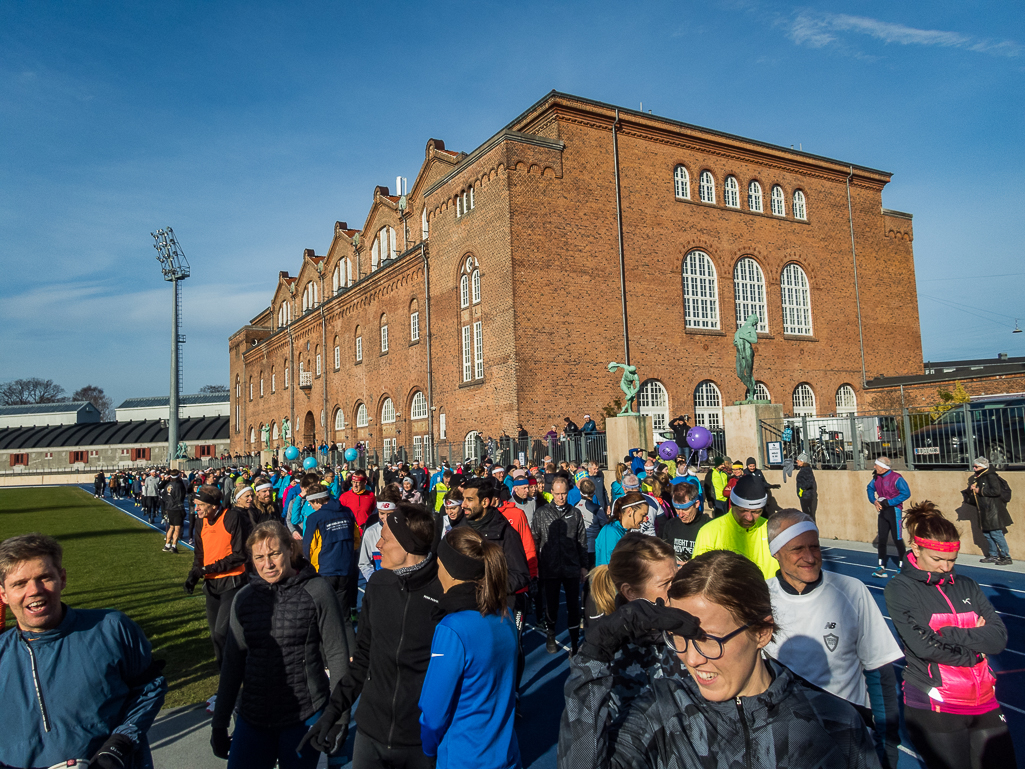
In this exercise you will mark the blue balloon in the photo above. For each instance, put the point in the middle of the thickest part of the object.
(351, 455)
(291, 453)
(309, 463)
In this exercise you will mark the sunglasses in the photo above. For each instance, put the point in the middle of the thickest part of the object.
(708, 646)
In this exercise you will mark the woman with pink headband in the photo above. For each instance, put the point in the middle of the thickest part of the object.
(948, 628)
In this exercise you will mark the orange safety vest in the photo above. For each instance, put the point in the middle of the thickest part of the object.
(216, 546)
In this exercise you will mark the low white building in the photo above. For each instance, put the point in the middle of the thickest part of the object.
(195, 406)
(52, 414)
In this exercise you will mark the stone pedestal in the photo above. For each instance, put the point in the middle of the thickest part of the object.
(265, 457)
(743, 431)
(625, 433)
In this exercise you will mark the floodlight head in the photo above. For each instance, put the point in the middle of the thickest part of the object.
(172, 260)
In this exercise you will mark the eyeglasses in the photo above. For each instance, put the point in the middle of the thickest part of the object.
(708, 646)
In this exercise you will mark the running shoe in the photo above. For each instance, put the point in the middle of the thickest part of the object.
(1005, 561)
(174, 549)
(880, 572)
(989, 559)
(210, 703)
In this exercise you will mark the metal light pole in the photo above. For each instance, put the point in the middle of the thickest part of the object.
(175, 267)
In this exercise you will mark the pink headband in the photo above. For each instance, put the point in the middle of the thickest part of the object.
(942, 547)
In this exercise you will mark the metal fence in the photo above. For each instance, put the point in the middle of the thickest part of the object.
(914, 439)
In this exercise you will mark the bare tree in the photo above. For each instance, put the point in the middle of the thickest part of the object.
(98, 398)
(22, 392)
(213, 389)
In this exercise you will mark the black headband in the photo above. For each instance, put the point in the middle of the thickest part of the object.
(210, 499)
(460, 566)
(398, 527)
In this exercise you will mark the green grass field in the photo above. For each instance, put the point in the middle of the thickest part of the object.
(115, 562)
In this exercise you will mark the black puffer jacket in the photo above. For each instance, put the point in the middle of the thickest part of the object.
(282, 637)
(560, 539)
(993, 513)
(494, 527)
(393, 649)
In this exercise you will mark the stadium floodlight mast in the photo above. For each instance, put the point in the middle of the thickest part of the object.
(175, 267)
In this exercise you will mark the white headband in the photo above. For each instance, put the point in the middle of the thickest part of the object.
(789, 533)
(385, 507)
(263, 486)
(749, 504)
(635, 504)
(882, 464)
(317, 495)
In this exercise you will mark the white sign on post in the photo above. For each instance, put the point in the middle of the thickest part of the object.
(523, 458)
(774, 450)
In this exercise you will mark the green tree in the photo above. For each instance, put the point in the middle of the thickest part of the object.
(949, 399)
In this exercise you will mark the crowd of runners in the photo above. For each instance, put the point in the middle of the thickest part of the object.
(702, 629)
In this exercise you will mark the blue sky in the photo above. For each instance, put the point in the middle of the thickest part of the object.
(251, 127)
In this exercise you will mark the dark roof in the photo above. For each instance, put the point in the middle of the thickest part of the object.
(1002, 369)
(183, 400)
(998, 361)
(112, 433)
(45, 408)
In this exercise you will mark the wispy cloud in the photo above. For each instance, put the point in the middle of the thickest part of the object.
(818, 30)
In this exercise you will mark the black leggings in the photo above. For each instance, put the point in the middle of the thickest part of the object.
(551, 588)
(889, 524)
(949, 741)
(218, 615)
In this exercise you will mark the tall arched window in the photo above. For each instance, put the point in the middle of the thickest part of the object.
(708, 405)
(749, 292)
(464, 291)
(846, 400)
(414, 321)
(250, 388)
(423, 223)
(388, 412)
(800, 209)
(779, 205)
(804, 400)
(338, 353)
(382, 248)
(731, 192)
(362, 415)
(471, 333)
(754, 196)
(252, 434)
(348, 271)
(796, 301)
(418, 410)
(653, 400)
(763, 391)
(681, 180)
(274, 430)
(359, 346)
(706, 187)
(475, 286)
(286, 374)
(273, 380)
(317, 359)
(700, 291)
(339, 419)
(472, 445)
(384, 333)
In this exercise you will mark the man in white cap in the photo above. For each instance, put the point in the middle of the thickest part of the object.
(888, 491)
(742, 529)
(831, 630)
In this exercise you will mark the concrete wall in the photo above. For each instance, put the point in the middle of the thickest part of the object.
(844, 511)
(52, 479)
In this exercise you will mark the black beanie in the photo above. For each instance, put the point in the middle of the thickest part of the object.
(749, 493)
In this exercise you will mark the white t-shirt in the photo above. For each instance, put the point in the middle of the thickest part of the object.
(831, 635)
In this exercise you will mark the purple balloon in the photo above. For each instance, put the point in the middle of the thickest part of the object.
(699, 438)
(668, 450)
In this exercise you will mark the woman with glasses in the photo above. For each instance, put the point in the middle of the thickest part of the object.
(724, 704)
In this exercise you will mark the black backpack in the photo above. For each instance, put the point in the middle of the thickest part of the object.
(1005, 490)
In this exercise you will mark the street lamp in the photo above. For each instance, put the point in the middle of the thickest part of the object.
(175, 267)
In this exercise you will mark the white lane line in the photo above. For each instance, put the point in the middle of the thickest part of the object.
(1011, 707)
(980, 584)
(1001, 613)
(910, 752)
(137, 518)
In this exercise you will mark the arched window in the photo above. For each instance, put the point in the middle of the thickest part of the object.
(359, 346)
(306, 298)
(238, 387)
(804, 400)
(749, 292)
(800, 210)
(731, 192)
(473, 445)
(708, 405)
(464, 291)
(423, 224)
(273, 380)
(339, 419)
(796, 301)
(274, 430)
(286, 374)
(414, 321)
(846, 400)
(700, 292)
(388, 412)
(475, 286)
(252, 434)
(763, 391)
(754, 196)
(706, 187)
(338, 354)
(261, 384)
(654, 401)
(362, 415)
(471, 334)
(334, 279)
(250, 388)
(418, 409)
(375, 254)
(681, 180)
(348, 271)
(384, 333)
(779, 206)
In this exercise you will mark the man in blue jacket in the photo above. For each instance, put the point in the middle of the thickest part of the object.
(329, 543)
(77, 683)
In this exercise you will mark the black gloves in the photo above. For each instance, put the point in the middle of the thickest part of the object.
(115, 753)
(192, 580)
(638, 621)
(328, 734)
(220, 742)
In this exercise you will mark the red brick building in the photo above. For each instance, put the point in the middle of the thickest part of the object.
(489, 295)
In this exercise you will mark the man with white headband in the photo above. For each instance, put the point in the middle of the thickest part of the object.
(888, 491)
(329, 543)
(742, 530)
(831, 630)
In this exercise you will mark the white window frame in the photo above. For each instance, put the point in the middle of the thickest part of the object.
(700, 291)
(362, 415)
(681, 182)
(338, 357)
(467, 356)
(318, 364)
(359, 349)
(418, 407)
(417, 448)
(273, 382)
(754, 197)
(804, 400)
(653, 400)
(384, 337)
(796, 299)
(442, 430)
(459, 205)
(763, 391)
(731, 192)
(274, 434)
(749, 293)
(286, 377)
(388, 412)
(261, 386)
(464, 291)
(778, 201)
(339, 419)
(708, 405)
(478, 350)
(472, 204)
(800, 206)
(846, 400)
(475, 286)
(414, 326)
(423, 224)
(706, 187)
